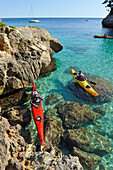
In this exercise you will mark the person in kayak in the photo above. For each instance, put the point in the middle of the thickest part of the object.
(105, 35)
(36, 99)
(80, 76)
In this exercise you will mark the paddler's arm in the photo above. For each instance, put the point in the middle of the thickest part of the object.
(85, 77)
(41, 98)
(31, 102)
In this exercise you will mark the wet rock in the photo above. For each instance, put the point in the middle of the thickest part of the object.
(46, 71)
(88, 140)
(74, 116)
(90, 161)
(53, 131)
(103, 87)
(53, 99)
(50, 113)
(100, 109)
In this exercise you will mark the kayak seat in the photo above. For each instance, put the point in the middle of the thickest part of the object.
(88, 87)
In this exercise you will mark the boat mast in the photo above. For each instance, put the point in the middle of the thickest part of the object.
(31, 11)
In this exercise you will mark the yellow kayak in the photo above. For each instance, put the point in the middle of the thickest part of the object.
(84, 84)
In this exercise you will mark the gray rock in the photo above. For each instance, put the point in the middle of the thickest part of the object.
(108, 21)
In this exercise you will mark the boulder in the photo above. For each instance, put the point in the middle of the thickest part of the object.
(108, 21)
(89, 161)
(88, 141)
(74, 116)
(53, 159)
(53, 99)
(53, 131)
(18, 98)
(24, 53)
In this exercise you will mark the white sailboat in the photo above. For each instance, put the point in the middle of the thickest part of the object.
(33, 20)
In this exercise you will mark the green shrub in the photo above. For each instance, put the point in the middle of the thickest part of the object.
(12, 27)
(2, 24)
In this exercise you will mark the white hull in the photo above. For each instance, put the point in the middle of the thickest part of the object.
(33, 21)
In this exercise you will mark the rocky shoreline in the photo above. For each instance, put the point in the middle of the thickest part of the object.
(25, 55)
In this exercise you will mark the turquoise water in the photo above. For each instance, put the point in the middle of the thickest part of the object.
(84, 52)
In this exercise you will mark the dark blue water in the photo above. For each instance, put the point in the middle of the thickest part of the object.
(80, 50)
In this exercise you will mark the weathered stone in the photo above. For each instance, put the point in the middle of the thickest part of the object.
(53, 99)
(101, 110)
(90, 161)
(4, 144)
(24, 52)
(74, 116)
(16, 154)
(50, 160)
(53, 131)
(45, 71)
(49, 113)
(16, 99)
(14, 150)
(88, 140)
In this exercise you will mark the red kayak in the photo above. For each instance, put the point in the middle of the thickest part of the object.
(38, 118)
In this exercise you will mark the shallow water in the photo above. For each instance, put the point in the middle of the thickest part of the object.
(82, 51)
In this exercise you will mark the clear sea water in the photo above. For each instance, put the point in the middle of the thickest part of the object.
(80, 50)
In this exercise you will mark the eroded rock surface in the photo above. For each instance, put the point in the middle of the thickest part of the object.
(24, 53)
(88, 141)
(74, 116)
(16, 154)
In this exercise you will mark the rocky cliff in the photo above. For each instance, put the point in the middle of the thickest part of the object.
(24, 53)
(108, 21)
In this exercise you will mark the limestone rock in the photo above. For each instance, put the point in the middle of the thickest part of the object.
(50, 160)
(90, 161)
(24, 53)
(53, 131)
(16, 99)
(74, 116)
(53, 99)
(4, 143)
(88, 140)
